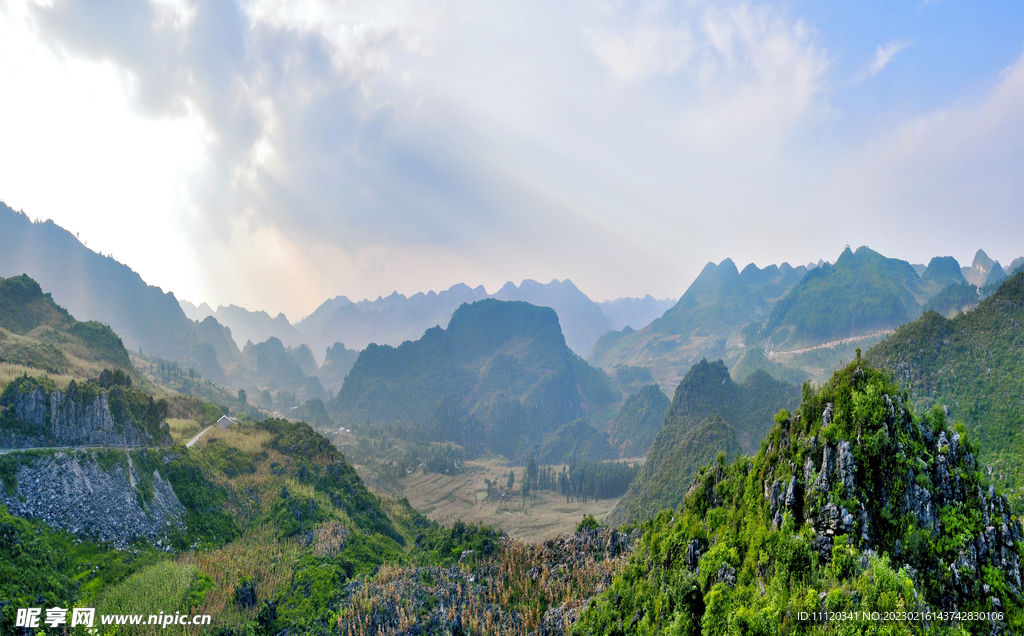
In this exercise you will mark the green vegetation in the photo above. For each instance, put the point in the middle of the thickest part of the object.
(863, 292)
(705, 323)
(40, 567)
(36, 332)
(129, 407)
(953, 299)
(709, 414)
(973, 365)
(639, 421)
(575, 441)
(741, 556)
(166, 585)
(500, 375)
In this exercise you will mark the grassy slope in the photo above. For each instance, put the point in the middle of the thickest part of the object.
(36, 332)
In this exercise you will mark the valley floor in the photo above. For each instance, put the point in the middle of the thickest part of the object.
(545, 514)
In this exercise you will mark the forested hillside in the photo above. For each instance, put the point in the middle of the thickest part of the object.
(639, 421)
(94, 287)
(852, 504)
(36, 332)
(861, 293)
(705, 323)
(499, 378)
(710, 414)
(972, 364)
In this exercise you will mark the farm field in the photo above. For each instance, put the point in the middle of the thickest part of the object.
(545, 514)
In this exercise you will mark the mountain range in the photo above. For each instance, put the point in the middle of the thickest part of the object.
(706, 322)
(93, 287)
(396, 318)
(794, 323)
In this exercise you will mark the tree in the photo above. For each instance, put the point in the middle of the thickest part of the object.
(531, 473)
(511, 480)
(241, 395)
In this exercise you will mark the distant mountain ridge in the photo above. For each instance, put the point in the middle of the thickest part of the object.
(95, 287)
(863, 292)
(245, 325)
(705, 323)
(635, 313)
(983, 270)
(396, 318)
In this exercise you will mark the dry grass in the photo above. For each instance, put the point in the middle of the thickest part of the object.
(510, 596)
(447, 499)
(10, 371)
(250, 442)
(256, 555)
(183, 430)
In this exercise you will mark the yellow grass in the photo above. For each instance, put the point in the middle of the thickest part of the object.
(9, 372)
(183, 430)
(255, 555)
(250, 442)
(447, 499)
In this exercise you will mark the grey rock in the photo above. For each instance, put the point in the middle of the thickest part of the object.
(71, 491)
(694, 550)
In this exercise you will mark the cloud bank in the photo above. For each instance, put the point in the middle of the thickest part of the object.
(360, 147)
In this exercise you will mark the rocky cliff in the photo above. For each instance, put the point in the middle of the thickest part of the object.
(101, 495)
(36, 414)
(853, 504)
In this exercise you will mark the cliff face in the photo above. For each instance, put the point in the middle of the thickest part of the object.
(33, 415)
(852, 504)
(100, 495)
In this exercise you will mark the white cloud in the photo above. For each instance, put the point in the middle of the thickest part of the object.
(885, 54)
(953, 175)
(307, 149)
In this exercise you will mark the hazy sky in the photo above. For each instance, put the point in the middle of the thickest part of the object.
(244, 153)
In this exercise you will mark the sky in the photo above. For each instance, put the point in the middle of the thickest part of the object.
(273, 155)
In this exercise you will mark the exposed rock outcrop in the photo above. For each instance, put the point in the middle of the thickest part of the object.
(96, 497)
(459, 600)
(930, 487)
(36, 418)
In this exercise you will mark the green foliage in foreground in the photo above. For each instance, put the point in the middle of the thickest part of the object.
(318, 590)
(40, 567)
(721, 565)
(166, 586)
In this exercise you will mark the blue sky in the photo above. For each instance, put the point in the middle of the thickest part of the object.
(286, 153)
